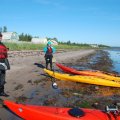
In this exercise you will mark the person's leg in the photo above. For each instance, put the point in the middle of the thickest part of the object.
(46, 64)
(2, 78)
(50, 62)
(2, 82)
(2, 93)
(1, 89)
(47, 61)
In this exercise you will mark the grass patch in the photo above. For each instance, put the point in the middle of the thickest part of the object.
(30, 46)
(24, 46)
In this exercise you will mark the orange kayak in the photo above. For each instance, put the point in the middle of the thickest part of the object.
(34, 112)
(88, 73)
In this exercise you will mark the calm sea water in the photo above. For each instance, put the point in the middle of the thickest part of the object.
(115, 56)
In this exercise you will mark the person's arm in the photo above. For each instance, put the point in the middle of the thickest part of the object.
(45, 49)
(53, 50)
(7, 64)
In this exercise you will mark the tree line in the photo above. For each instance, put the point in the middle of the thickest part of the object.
(28, 38)
(3, 29)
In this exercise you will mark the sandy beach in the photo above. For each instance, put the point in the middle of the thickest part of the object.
(26, 71)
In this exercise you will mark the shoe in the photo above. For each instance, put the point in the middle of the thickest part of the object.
(4, 94)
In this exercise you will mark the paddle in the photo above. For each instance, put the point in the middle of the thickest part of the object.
(53, 60)
(54, 84)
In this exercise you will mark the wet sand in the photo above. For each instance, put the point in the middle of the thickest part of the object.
(26, 79)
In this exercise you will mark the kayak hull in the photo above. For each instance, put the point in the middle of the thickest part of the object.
(88, 73)
(34, 112)
(83, 79)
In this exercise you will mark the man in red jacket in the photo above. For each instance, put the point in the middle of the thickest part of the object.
(4, 65)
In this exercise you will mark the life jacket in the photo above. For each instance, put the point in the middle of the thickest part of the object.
(49, 50)
(3, 51)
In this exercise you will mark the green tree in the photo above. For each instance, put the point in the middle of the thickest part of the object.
(29, 38)
(68, 42)
(55, 39)
(0, 29)
(21, 37)
(4, 29)
(25, 37)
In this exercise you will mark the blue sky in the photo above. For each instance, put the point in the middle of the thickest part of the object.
(80, 21)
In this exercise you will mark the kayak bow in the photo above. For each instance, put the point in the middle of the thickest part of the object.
(34, 112)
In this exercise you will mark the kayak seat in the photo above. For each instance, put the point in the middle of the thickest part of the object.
(76, 112)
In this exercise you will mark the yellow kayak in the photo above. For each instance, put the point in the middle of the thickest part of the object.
(83, 79)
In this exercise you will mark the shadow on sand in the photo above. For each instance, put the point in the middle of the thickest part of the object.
(39, 65)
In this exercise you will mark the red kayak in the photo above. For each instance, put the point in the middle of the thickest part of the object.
(88, 73)
(34, 112)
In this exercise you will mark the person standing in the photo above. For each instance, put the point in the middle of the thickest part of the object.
(4, 65)
(49, 50)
